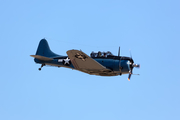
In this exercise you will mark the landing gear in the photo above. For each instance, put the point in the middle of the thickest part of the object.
(120, 71)
(41, 67)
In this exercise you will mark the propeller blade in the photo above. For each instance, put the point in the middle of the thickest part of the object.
(129, 76)
(130, 73)
(119, 52)
(130, 53)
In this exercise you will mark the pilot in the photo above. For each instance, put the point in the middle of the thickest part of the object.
(104, 55)
(108, 53)
(99, 54)
(92, 54)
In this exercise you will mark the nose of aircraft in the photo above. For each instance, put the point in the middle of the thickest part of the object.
(132, 65)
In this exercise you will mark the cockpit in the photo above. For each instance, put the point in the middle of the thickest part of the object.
(101, 54)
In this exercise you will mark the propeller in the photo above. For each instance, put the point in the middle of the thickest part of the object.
(132, 65)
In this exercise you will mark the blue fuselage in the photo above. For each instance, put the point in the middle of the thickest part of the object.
(116, 65)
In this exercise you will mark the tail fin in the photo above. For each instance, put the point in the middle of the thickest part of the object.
(44, 50)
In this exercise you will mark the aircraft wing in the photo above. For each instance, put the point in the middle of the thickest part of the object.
(84, 63)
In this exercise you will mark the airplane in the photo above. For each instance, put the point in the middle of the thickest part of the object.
(98, 63)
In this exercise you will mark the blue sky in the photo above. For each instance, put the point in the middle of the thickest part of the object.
(149, 28)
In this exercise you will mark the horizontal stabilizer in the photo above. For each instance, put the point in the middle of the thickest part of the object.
(41, 57)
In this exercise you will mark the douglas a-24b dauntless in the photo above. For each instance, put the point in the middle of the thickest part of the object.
(101, 63)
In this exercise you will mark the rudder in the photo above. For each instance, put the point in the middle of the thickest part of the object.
(44, 49)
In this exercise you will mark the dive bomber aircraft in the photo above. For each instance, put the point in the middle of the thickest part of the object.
(100, 63)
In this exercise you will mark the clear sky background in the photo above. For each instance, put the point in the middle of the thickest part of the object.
(150, 28)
